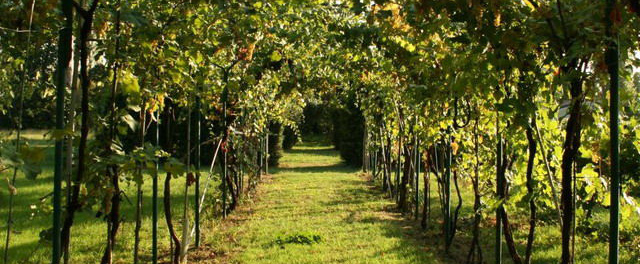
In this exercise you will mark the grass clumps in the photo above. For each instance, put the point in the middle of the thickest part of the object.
(298, 238)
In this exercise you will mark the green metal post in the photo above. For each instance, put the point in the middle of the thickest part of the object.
(499, 188)
(374, 159)
(64, 57)
(154, 202)
(224, 161)
(384, 160)
(417, 176)
(416, 162)
(613, 62)
(398, 168)
(447, 189)
(259, 156)
(364, 148)
(197, 158)
(266, 156)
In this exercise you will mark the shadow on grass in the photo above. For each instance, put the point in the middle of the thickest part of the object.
(319, 140)
(337, 168)
(361, 196)
(430, 242)
(427, 246)
(322, 151)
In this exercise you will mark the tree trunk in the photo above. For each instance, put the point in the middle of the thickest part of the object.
(508, 235)
(74, 204)
(112, 169)
(504, 217)
(175, 255)
(426, 208)
(185, 209)
(531, 191)
(64, 57)
(136, 243)
(475, 251)
(113, 217)
(166, 199)
(402, 189)
(456, 214)
(571, 147)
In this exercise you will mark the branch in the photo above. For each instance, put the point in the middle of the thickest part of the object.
(584, 62)
(549, 22)
(232, 64)
(457, 125)
(94, 5)
(635, 6)
(563, 23)
(79, 9)
(83, 12)
(17, 30)
(218, 65)
(226, 70)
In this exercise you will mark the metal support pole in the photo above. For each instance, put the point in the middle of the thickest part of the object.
(499, 188)
(613, 62)
(154, 220)
(224, 160)
(197, 165)
(373, 159)
(364, 147)
(398, 168)
(447, 188)
(259, 156)
(417, 176)
(64, 57)
(266, 156)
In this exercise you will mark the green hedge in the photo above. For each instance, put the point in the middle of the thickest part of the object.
(275, 143)
(348, 130)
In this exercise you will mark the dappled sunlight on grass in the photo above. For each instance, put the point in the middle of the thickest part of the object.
(88, 232)
(313, 192)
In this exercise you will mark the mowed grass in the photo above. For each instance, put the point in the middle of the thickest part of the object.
(313, 193)
(88, 234)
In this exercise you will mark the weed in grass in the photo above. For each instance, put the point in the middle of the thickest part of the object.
(298, 238)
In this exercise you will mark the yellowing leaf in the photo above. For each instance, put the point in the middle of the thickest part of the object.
(496, 20)
(529, 4)
(454, 147)
(12, 189)
(275, 56)
(129, 83)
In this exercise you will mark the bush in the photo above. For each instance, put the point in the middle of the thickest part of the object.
(275, 143)
(290, 138)
(317, 120)
(348, 130)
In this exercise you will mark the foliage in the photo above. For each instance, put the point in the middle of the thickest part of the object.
(275, 143)
(464, 76)
(290, 138)
(348, 132)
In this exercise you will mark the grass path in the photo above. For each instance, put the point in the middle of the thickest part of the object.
(312, 193)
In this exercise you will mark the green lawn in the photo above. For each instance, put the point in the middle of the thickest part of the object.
(88, 232)
(312, 209)
(312, 193)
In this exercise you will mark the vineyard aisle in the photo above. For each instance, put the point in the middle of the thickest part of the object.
(313, 209)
